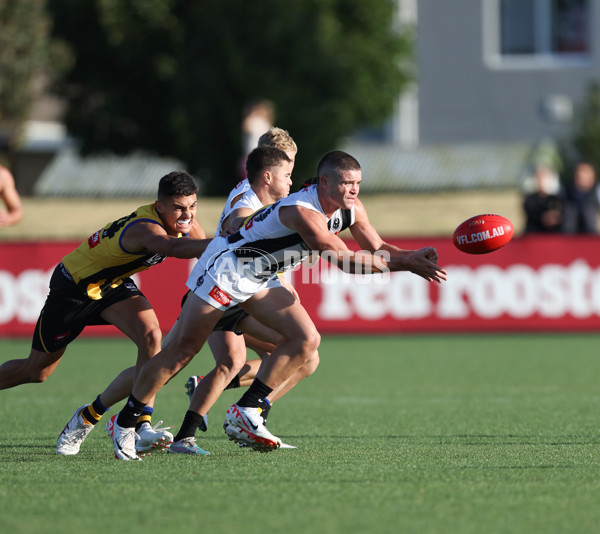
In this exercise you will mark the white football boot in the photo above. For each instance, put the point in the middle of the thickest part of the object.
(74, 434)
(249, 424)
(124, 442)
(151, 437)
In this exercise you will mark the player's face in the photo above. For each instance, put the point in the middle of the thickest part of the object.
(178, 213)
(344, 191)
(281, 180)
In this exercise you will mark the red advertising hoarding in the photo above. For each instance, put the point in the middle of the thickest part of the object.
(536, 283)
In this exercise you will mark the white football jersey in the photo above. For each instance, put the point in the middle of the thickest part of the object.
(273, 247)
(249, 200)
(239, 189)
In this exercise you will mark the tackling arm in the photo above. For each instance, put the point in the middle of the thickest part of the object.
(149, 237)
(234, 220)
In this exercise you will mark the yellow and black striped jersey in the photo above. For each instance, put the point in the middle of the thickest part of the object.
(102, 261)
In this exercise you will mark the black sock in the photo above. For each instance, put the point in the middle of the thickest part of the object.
(191, 422)
(130, 413)
(254, 395)
(92, 413)
(235, 383)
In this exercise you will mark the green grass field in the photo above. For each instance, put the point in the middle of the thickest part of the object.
(415, 434)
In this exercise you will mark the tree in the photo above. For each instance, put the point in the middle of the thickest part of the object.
(23, 42)
(587, 132)
(174, 76)
(584, 142)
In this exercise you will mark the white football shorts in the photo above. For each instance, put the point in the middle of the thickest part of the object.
(219, 279)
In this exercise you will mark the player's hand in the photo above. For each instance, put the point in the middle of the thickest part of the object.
(423, 262)
(228, 231)
(431, 254)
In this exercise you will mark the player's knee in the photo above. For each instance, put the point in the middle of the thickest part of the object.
(229, 370)
(310, 343)
(38, 375)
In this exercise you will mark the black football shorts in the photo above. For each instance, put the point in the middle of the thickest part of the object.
(68, 311)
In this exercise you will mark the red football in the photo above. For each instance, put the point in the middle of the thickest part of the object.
(483, 233)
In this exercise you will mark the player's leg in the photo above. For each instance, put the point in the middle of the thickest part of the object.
(119, 388)
(224, 340)
(260, 346)
(261, 340)
(257, 331)
(136, 318)
(61, 320)
(279, 310)
(190, 332)
(248, 373)
(303, 372)
(36, 368)
(214, 290)
(229, 351)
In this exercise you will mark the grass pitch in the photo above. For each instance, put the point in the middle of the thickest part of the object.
(417, 434)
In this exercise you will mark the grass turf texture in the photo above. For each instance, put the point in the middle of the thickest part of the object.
(423, 434)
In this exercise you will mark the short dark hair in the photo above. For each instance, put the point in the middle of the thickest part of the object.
(176, 184)
(261, 158)
(335, 162)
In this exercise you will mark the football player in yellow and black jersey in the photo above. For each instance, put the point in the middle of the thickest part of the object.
(92, 285)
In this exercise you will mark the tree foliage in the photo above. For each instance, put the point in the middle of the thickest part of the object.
(584, 142)
(23, 42)
(174, 76)
(587, 133)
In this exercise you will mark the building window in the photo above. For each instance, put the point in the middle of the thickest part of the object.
(537, 33)
(570, 26)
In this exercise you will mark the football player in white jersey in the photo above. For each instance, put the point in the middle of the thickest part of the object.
(235, 270)
(232, 335)
(269, 173)
(277, 137)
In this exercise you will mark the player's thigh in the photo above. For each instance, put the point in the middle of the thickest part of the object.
(135, 317)
(193, 327)
(43, 363)
(279, 310)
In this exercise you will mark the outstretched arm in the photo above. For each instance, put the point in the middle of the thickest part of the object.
(10, 198)
(149, 237)
(312, 226)
(422, 262)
